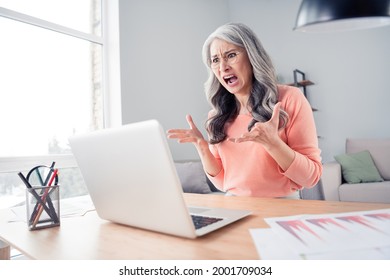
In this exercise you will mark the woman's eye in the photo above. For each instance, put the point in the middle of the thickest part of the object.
(215, 60)
(231, 55)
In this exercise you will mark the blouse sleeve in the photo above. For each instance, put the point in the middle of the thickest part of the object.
(218, 179)
(301, 134)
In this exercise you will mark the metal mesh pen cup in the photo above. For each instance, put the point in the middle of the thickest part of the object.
(43, 207)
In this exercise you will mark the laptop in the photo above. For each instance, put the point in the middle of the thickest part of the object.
(132, 180)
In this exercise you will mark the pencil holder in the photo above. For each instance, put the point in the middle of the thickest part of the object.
(43, 207)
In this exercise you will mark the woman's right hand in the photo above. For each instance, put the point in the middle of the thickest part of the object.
(191, 135)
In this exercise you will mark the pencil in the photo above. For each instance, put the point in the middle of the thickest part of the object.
(49, 202)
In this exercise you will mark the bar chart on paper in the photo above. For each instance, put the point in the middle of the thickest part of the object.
(344, 234)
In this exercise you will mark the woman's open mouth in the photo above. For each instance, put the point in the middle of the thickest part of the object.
(230, 79)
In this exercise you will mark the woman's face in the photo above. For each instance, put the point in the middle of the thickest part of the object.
(231, 66)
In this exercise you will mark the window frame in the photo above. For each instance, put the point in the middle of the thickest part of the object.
(109, 41)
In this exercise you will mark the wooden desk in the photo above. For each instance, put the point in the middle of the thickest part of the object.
(89, 237)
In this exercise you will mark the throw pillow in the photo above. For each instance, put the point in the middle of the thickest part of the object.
(192, 177)
(358, 168)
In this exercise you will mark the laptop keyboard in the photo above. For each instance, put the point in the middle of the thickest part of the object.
(202, 221)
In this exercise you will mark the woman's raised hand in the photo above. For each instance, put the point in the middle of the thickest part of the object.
(191, 135)
(264, 133)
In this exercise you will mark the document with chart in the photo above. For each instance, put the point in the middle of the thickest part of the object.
(364, 234)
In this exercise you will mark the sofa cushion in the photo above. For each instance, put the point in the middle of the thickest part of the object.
(192, 177)
(379, 149)
(366, 192)
(358, 168)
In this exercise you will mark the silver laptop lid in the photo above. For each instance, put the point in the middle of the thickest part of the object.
(131, 177)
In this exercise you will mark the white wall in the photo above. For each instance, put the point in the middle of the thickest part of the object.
(161, 66)
(163, 75)
(351, 70)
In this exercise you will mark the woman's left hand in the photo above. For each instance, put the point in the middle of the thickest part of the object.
(265, 133)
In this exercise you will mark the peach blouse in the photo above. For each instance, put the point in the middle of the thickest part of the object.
(248, 170)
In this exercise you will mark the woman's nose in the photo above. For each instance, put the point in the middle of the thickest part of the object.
(223, 65)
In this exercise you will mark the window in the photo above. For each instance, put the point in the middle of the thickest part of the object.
(81, 15)
(52, 87)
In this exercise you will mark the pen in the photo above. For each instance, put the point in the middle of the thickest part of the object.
(39, 177)
(52, 177)
(48, 175)
(24, 180)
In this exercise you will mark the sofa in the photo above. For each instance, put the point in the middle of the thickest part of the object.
(361, 174)
(193, 178)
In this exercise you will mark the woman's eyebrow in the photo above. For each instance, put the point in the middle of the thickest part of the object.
(225, 53)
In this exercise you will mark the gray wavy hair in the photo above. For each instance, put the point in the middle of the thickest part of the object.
(264, 93)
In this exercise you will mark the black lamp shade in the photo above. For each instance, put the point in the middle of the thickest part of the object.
(339, 15)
